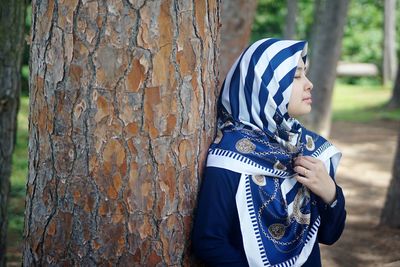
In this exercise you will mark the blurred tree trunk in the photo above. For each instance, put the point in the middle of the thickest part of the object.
(394, 101)
(390, 214)
(237, 17)
(326, 43)
(291, 18)
(12, 23)
(389, 42)
(122, 112)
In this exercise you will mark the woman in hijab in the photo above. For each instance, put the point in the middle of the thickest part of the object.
(268, 196)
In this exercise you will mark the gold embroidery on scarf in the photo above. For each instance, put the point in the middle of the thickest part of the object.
(279, 166)
(291, 148)
(310, 143)
(302, 195)
(277, 230)
(245, 146)
(259, 180)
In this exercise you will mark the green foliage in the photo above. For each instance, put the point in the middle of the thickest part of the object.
(19, 173)
(25, 54)
(28, 17)
(269, 19)
(305, 19)
(20, 163)
(362, 81)
(363, 33)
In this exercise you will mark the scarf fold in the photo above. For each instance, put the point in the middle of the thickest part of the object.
(278, 216)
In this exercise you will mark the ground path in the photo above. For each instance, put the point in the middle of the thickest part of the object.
(364, 174)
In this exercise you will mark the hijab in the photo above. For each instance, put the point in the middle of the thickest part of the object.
(257, 138)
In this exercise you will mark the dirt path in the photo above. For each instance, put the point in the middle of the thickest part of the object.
(364, 174)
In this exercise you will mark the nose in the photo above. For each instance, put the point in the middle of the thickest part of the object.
(309, 85)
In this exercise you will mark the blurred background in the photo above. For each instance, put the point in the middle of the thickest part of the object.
(353, 54)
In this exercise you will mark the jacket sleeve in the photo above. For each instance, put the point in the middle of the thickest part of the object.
(333, 216)
(216, 237)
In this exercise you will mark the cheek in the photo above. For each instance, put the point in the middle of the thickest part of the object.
(296, 93)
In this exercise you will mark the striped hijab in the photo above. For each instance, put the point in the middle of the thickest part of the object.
(256, 137)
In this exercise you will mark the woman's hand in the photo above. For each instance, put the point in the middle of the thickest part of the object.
(312, 173)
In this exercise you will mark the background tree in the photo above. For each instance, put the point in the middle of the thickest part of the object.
(330, 18)
(390, 214)
(236, 21)
(11, 48)
(291, 19)
(122, 112)
(394, 101)
(389, 42)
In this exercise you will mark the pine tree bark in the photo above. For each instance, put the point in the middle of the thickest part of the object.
(122, 112)
(390, 214)
(291, 18)
(12, 18)
(237, 17)
(325, 49)
(389, 42)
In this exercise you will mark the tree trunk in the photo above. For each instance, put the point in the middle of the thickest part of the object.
(237, 17)
(122, 112)
(291, 17)
(394, 101)
(325, 51)
(389, 42)
(390, 214)
(12, 18)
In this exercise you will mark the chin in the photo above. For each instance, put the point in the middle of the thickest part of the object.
(300, 112)
(305, 112)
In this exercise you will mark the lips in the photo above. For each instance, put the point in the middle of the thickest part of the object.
(307, 99)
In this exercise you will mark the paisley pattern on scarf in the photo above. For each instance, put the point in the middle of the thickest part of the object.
(257, 138)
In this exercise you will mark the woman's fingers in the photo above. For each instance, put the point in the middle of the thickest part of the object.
(311, 159)
(313, 174)
(304, 162)
(302, 171)
(303, 180)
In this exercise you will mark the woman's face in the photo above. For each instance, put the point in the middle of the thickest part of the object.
(300, 99)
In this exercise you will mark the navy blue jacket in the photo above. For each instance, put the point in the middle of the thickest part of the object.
(216, 237)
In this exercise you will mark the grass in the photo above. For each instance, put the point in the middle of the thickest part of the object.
(362, 103)
(357, 103)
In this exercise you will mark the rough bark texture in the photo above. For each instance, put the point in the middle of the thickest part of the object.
(291, 17)
(389, 42)
(122, 112)
(390, 214)
(12, 18)
(237, 17)
(325, 51)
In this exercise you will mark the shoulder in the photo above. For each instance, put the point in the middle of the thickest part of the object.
(221, 178)
(220, 173)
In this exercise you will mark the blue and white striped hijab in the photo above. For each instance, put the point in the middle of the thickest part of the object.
(256, 137)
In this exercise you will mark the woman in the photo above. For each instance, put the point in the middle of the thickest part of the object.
(268, 196)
